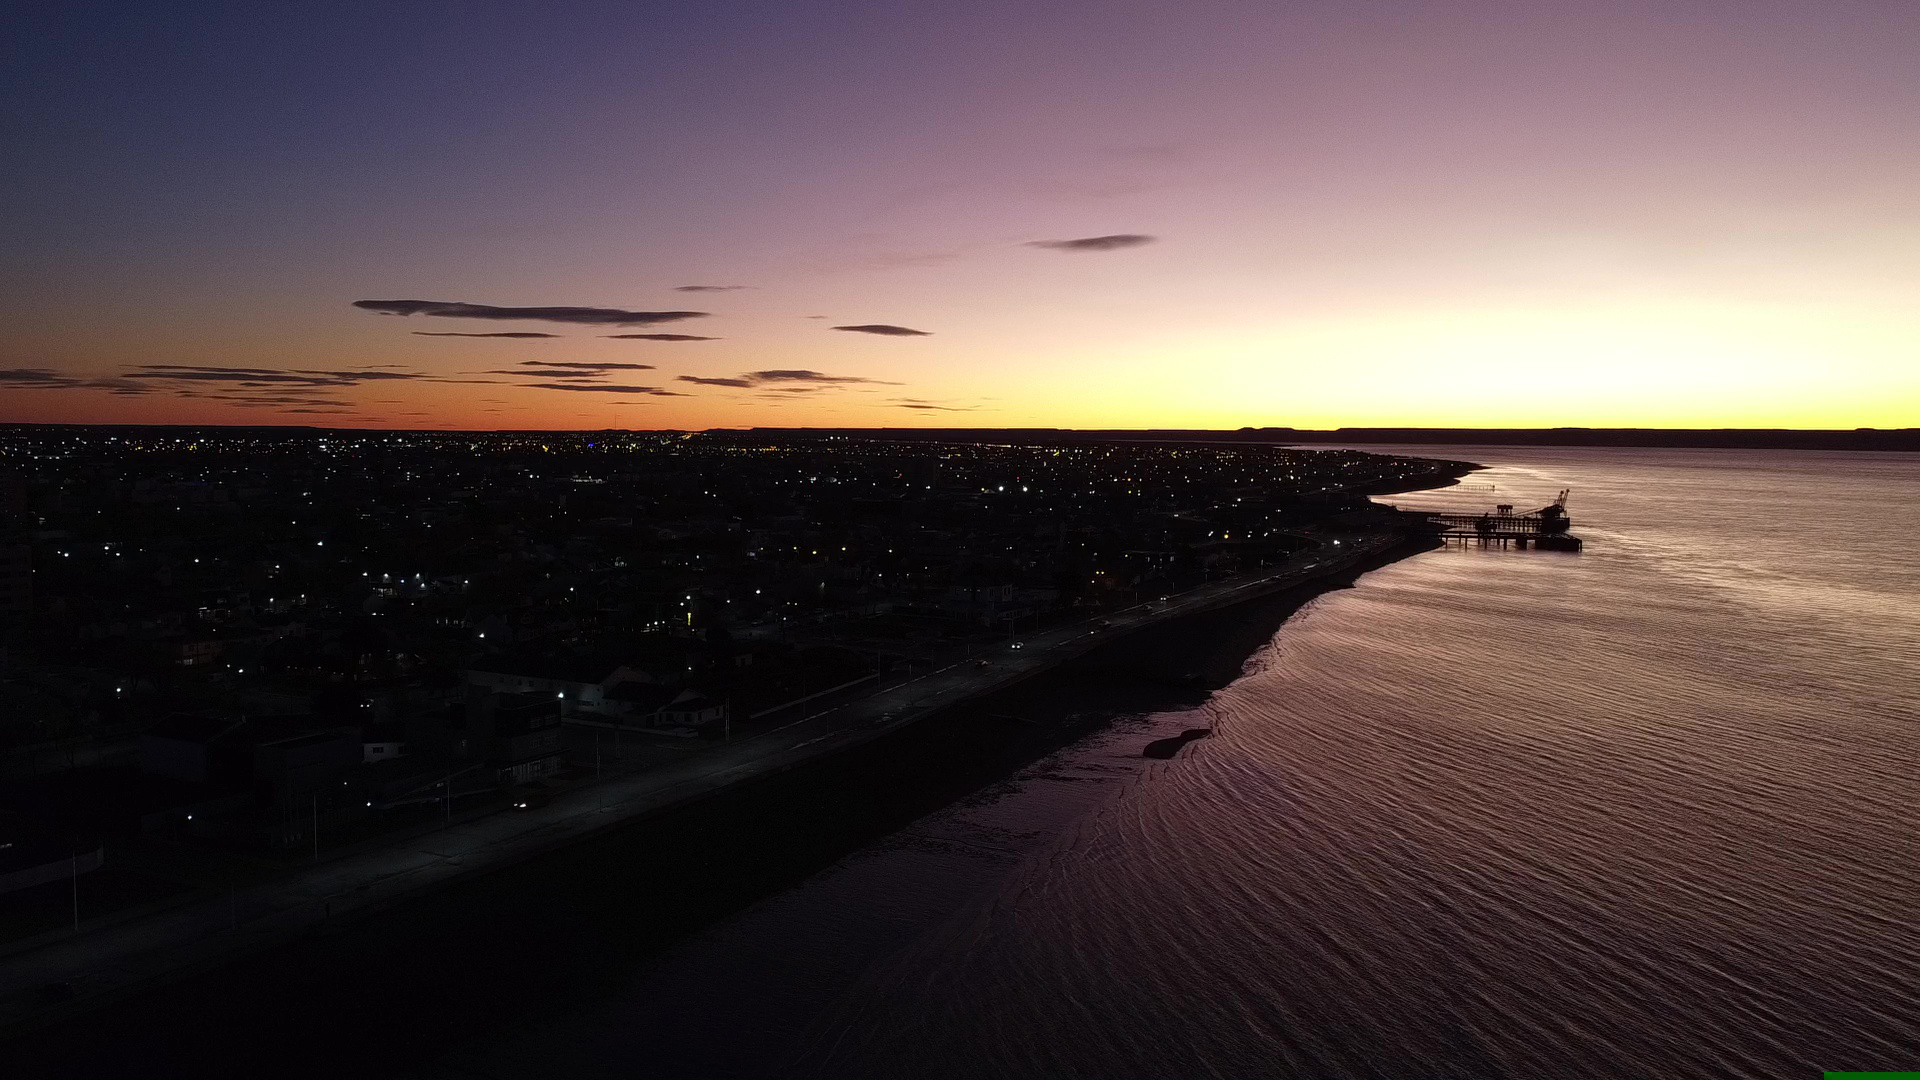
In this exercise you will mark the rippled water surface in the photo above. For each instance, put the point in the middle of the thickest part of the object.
(1648, 811)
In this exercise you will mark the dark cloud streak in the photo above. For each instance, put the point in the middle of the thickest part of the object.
(1114, 242)
(813, 380)
(456, 333)
(802, 375)
(584, 365)
(260, 377)
(885, 330)
(38, 379)
(48, 379)
(584, 316)
(605, 388)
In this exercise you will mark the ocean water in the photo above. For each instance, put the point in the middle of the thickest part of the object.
(1649, 811)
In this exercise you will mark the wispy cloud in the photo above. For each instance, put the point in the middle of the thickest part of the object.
(923, 403)
(456, 333)
(259, 377)
(587, 316)
(520, 373)
(276, 401)
(803, 375)
(885, 330)
(812, 380)
(287, 389)
(48, 379)
(584, 365)
(659, 337)
(38, 379)
(708, 288)
(212, 370)
(1114, 242)
(606, 388)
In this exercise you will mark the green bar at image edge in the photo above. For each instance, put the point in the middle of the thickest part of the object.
(1871, 1076)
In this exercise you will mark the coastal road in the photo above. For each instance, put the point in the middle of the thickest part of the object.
(102, 961)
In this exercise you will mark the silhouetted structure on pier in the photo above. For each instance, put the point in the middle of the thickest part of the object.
(1544, 529)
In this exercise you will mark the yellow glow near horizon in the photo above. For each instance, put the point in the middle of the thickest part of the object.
(1639, 365)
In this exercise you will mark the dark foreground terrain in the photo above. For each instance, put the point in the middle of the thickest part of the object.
(392, 991)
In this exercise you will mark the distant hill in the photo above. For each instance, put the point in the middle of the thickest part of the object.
(1703, 438)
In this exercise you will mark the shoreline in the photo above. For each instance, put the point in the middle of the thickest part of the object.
(776, 830)
(950, 749)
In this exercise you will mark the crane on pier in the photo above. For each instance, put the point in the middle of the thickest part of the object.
(1544, 529)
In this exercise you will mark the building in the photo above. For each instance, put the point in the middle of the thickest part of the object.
(585, 683)
(574, 684)
(692, 709)
(382, 742)
(526, 736)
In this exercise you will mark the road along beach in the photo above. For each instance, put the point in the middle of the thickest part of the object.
(718, 833)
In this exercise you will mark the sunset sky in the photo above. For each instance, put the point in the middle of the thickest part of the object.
(1315, 214)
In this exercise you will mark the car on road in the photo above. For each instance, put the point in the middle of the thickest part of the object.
(1017, 645)
(531, 798)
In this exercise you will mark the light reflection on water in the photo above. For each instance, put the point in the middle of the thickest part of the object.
(1647, 811)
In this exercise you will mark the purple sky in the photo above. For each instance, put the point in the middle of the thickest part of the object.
(1399, 213)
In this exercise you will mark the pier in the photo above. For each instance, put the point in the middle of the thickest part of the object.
(1544, 529)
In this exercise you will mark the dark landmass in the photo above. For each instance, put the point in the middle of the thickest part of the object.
(1906, 439)
(1682, 438)
(557, 935)
(226, 655)
(1676, 438)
